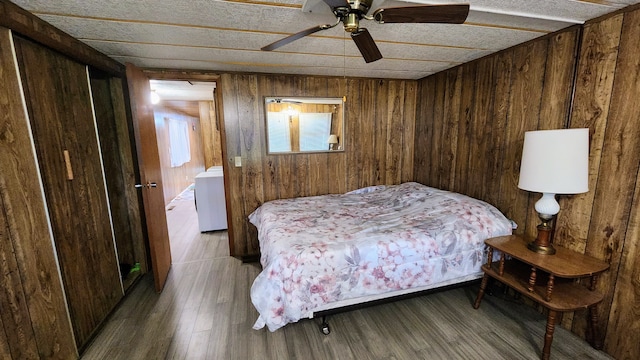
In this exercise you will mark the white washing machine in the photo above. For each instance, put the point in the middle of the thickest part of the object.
(210, 200)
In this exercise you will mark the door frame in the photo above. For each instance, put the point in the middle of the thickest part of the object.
(207, 77)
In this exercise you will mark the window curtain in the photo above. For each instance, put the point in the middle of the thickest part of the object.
(179, 146)
(314, 131)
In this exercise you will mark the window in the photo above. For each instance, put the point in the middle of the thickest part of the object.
(179, 146)
(278, 131)
(314, 131)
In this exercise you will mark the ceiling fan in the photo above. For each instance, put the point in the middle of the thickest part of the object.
(350, 12)
(287, 101)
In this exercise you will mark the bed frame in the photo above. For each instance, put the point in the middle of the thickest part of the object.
(390, 297)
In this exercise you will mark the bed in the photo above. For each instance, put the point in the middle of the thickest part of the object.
(326, 252)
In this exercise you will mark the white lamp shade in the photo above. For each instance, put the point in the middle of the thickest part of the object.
(555, 161)
(333, 139)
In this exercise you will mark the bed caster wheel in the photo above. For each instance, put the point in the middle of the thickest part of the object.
(325, 328)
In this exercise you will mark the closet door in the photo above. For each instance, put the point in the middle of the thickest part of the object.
(61, 116)
(120, 169)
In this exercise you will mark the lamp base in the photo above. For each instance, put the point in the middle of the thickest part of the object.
(541, 249)
(542, 243)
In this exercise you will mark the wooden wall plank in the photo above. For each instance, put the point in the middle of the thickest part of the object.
(210, 132)
(352, 105)
(594, 81)
(619, 165)
(394, 132)
(465, 119)
(451, 124)
(25, 216)
(422, 165)
(438, 169)
(380, 129)
(366, 134)
(409, 123)
(251, 131)
(558, 79)
(5, 351)
(503, 68)
(481, 129)
(625, 306)
(15, 319)
(229, 88)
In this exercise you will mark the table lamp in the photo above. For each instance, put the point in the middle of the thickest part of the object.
(333, 140)
(553, 162)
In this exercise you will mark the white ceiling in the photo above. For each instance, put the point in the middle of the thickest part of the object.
(227, 35)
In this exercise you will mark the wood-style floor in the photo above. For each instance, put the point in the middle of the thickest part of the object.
(205, 312)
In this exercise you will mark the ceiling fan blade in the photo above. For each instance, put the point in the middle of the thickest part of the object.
(445, 14)
(294, 37)
(366, 45)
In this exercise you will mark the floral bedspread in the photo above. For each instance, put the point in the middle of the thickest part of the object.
(322, 249)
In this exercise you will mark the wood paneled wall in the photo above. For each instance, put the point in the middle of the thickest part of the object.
(472, 119)
(177, 179)
(470, 130)
(58, 101)
(610, 213)
(210, 131)
(380, 117)
(34, 319)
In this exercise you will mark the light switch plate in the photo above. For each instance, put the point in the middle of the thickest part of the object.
(238, 161)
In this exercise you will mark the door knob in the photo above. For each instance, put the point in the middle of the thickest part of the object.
(147, 185)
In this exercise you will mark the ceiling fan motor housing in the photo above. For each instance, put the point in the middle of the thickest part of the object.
(361, 6)
(351, 16)
(351, 22)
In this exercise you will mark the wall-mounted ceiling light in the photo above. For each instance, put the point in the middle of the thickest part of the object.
(155, 98)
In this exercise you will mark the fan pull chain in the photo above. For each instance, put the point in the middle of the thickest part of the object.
(344, 66)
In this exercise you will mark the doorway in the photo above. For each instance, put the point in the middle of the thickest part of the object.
(189, 145)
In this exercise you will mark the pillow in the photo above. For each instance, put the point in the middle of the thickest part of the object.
(368, 189)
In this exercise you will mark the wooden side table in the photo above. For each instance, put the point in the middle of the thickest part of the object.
(539, 277)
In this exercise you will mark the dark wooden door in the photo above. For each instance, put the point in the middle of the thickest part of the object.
(150, 174)
(120, 169)
(61, 116)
